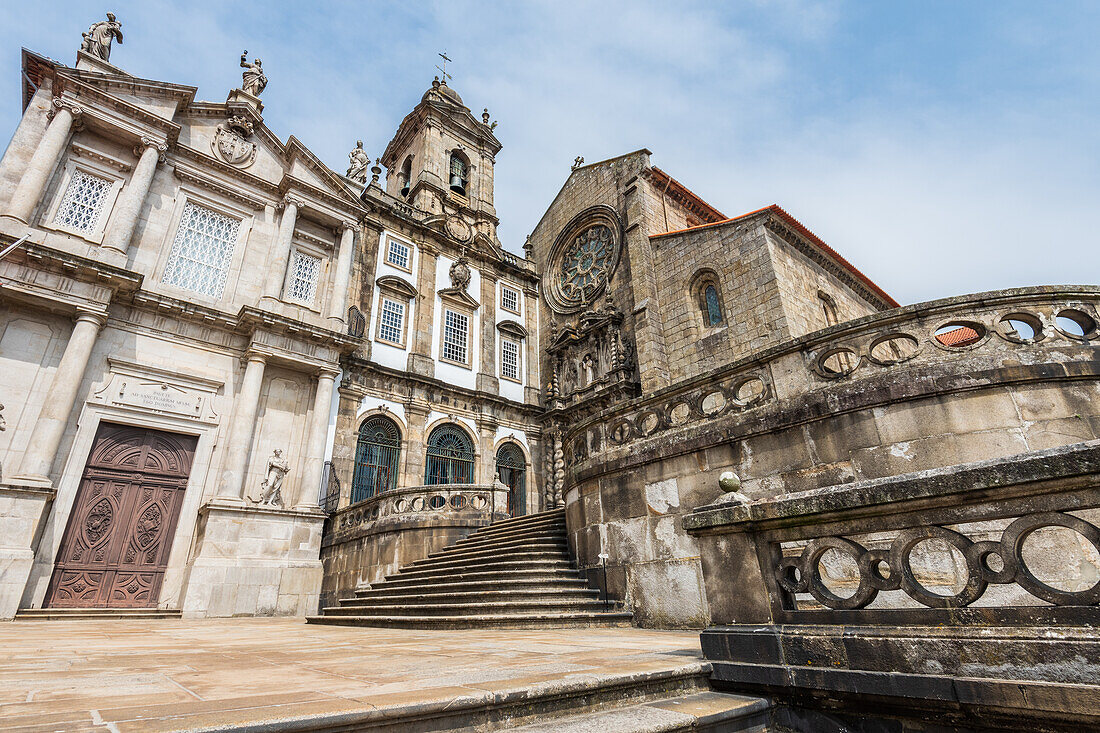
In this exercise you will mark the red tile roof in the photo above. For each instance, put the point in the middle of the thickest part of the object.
(961, 336)
(798, 227)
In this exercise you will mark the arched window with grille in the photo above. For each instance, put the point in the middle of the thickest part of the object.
(512, 472)
(707, 294)
(714, 307)
(450, 456)
(377, 455)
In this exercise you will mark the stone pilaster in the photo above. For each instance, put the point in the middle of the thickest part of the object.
(132, 199)
(420, 358)
(50, 426)
(415, 444)
(487, 377)
(42, 163)
(310, 485)
(532, 388)
(239, 438)
(487, 432)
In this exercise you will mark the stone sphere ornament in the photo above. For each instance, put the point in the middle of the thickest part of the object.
(731, 489)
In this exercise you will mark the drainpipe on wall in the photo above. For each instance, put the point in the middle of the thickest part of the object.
(11, 247)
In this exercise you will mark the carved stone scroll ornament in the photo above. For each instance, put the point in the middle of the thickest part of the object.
(271, 493)
(97, 39)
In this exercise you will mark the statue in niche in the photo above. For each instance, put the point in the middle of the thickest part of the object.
(588, 364)
(460, 274)
(97, 39)
(271, 490)
(360, 163)
(254, 80)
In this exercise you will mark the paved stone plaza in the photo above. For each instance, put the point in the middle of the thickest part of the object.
(181, 674)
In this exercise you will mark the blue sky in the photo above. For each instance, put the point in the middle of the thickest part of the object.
(942, 147)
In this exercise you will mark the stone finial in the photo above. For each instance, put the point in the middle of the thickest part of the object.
(577, 163)
(97, 39)
(485, 115)
(528, 248)
(730, 484)
(375, 171)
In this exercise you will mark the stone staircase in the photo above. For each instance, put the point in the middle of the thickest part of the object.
(517, 573)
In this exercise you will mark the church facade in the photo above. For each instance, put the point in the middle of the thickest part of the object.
(238, 382)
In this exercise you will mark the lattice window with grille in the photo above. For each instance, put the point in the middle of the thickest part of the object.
(398, 254)
(509, 359)
(456, 329)
(509, 299)
(82, 205)
(304, 269)
(392, 324)
(202, 250)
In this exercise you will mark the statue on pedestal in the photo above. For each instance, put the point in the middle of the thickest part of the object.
(97, 39)
(254, 80)
(360, 163)
(271, 489)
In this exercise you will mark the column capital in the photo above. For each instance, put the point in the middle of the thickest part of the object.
(347, 225)
(327, 372)
(290, 199)
(96, 317)
(254, 356)
(147, 142)
(60, 103)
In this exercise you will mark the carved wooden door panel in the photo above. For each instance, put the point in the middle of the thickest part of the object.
(115, 547)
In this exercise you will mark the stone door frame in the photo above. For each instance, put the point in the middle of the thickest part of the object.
(171, 589)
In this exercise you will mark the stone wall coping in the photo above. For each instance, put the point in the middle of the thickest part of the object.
(254, 509)
(892, 493)
(26, 490)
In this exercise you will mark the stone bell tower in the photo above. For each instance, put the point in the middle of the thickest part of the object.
(441, 159)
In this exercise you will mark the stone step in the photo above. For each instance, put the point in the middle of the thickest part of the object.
(481, 576)
(472, 608)
(512, 620)
(482, 557)
(471, 595)
(700, 711)
(534, 544)
(499, 567)
(501, 530)
(71, 614)
(494, 585)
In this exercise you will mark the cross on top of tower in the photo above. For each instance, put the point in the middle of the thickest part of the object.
(443, 69)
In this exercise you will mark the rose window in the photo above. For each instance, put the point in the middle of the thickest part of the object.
(585, 265)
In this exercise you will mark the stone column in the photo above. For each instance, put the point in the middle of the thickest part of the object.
(239, 436)
(338, 301)
(420, 358)
(310, 485)
(132, 199)
(50, 426)
(487, 380)
(280, 254)
(44, 160)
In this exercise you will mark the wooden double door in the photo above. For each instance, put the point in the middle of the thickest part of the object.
(115, 547)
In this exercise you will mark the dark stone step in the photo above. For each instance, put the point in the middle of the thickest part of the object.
(472, 608)
(72, 614)
(514, 620)
(493, 585)
(503, 566)
(483, 557)
(472, 597)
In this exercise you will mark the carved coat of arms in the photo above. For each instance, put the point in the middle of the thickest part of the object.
(230, 142)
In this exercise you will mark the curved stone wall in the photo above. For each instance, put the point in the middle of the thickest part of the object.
(926, 386)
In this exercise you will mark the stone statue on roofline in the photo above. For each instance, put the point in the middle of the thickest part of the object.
(97, 39)
(360, 163)
(254, 79)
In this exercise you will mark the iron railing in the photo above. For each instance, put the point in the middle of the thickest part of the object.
(357, 322)
(329, 498)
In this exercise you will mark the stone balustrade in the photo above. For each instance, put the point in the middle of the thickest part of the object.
(415, 501)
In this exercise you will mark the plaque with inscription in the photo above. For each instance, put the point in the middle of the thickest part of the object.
(161, 397)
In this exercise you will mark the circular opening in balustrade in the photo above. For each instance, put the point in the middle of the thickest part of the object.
(679, 413)
(959, 334)
(458, 501)
(417, 504)
(1075, 324)
(713, 403)
(374, 513)
(1020, 328)
(881, 568)
(894, 349)
(479, 502)
(400, 505)
(437, 502)
(993, 562)
(939, 567)
(837, 362)
(792, 576)
(749, 391)
(1061, 558)
(648, 423)
(839, 572)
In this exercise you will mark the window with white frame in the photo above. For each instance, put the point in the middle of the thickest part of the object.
(456, 333)
(202, 250)
(304, 269)
(391, 321)
(509, 359)
(397, 253)
(509, 299)
(83, 202)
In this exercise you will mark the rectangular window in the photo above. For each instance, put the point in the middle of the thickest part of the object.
(303, 277)
(397, 254)
(83, 202)
(202, 250)
(456, 330)
(391, 322)
(509, 299)
(509, 359)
